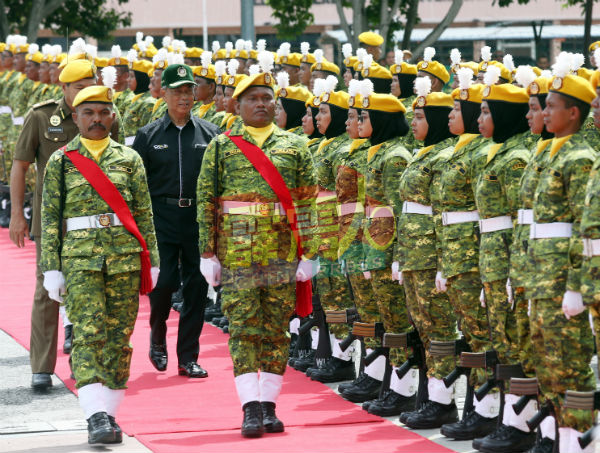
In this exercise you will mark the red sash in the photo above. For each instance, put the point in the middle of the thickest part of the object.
(113, 198)
(273, 178)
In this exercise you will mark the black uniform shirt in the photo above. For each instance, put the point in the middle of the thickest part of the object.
(173, 156)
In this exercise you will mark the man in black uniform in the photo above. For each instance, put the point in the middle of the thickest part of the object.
(172, 148)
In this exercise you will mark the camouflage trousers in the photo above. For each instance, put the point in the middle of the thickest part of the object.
(391, 303)
(332, 288)
(503, 323)
(463, 292)
(366, 305)
(433, 317)
(258, 323)
(595, 311)
(523, 340)
(103, 309)
(562, 351)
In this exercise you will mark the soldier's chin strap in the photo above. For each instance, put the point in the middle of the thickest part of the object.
(273, 178)
(90, 170)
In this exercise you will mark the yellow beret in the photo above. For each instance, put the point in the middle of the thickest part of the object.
(37, 57)
(220, 54)
(119, 61)
(232, 81)
(575, 87)
(506, 92)
(313, 101)
(326, 66)
(383, 103)
(207, 73)
(538, 71)
(376, 71)
(94, 93)
(160, 64)
(24, 48)
(101, 62)
(142, 66)
(435, 99)
(337, 98)
(2, 46)
(309, 58)
(350, 62)
(539, 86)
(69, 58)
(471, 65)
(594, 46)
(77, 70)
(262, 79)
(293, 59)
(404, 68)
(253, 54)
(295, 93)
(61, 57)
(472, 94)
(370, 39)
(355, 102)
(435, 68)
(193, 52)
(585, 73)
(595, 79)
(243, 54)
(504, 72)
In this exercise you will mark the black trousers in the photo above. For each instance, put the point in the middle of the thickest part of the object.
(177, 236)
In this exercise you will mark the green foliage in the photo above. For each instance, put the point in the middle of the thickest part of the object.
(293, 17)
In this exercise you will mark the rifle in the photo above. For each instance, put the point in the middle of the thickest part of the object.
(413, 341)
(589, 401)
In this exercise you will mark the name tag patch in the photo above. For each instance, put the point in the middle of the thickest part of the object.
(161, 146)
(55, 130)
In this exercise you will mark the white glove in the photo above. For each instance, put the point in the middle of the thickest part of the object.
(529, 308)
(367, 275)
(572, 304)
(400, 278)
(154, 271)
(211, 270)
(307, 269)
(440, 282)
(54, 283)
(591, 318)
(395, 270)
(482, 297)
(509, 291)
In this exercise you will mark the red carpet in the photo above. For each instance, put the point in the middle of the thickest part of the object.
(168, 413)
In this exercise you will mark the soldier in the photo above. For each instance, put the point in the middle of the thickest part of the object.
(172, 149)
(307, 60)
(123, 94)
(322, 68)
(290, 105)
(232, 80)
(259, 260)
(48, 126)
(436, 71)
(138, 108)
(290, 63)
(371, 42)
(403, 79)
(100, 270)
(205, 88)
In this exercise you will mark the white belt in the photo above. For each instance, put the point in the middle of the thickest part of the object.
(252, 208)
(326, 195)
(410, 207)
(503, 222)
(591, 247)
(525, 217)
(550, 230)
(93, 221)
(453, 217)
(5, 109)
(349, 208)
(18, 120)
(372, 212)
(129, 140)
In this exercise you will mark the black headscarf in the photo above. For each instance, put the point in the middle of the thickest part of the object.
(314, 112)
(338, 121)
(407, 83)
(383, 86)
(545, 134)
(470, 112)
(142, 82)
(294, 110)
(387, 125)
(509, 119)
(437, 119)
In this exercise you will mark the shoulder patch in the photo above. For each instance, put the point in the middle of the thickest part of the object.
(43, 103)
(519, 165)
(586, 168)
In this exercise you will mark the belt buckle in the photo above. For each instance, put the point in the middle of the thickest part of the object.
(444, 218)
(103, 220)
(263, 209)
(184, 202)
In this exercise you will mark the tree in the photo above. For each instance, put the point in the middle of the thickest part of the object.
(293, 17)
(87, 17)
(432, 37)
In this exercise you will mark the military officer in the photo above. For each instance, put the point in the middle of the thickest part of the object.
(123, 94)
(205, 88)
(48, 126)
(371, 42)
(140, 104)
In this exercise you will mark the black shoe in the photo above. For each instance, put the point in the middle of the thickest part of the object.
(68, 339)
(177, 306)
(117, 428)
(305, 360)
(158, 356)
(470, 427)
(192, 370)
(270, 421)
(335, 370)
(367, 404)
(99, 429)
(226, 329)
(365, 390)
(507, 438)
(41, 381)
(212, 312)
(252, 426)
(223, 322)
(346, 385)
(542, 445)
(432, 415)
(392, 404)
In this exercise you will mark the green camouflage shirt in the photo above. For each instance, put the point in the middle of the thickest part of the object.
(93, 248)
(18, 98)
(122, 99)
(559, 197)
(590, 229)
(138, 109)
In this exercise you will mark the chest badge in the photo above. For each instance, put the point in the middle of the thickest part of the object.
(55, 120)
(104, 220)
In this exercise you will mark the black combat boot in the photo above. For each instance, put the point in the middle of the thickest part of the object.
(432, 415)
(117, 428)
(252, 425)
(506, 438)
(470, 427)
(270, 421)
(68, 344)
(542, 445)
(335, 370)
(392, 404)
(99, 429)
(365, 390)
(306, 359)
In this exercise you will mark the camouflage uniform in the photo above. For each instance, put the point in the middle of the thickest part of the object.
(159, 110)
(18, 101)
(122, 99)
(206, 112)
(564, 346)
(6, 81)
(101, 265)
(409, 141)
(419, 253)
(385, 164)
(257, 252)
(135, 113)
(497, 195)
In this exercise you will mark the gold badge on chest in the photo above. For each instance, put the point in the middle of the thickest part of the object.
(55, 120)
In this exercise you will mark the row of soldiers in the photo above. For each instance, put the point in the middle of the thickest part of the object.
(479, 210)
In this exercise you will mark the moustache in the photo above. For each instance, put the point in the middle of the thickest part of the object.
(97, 125)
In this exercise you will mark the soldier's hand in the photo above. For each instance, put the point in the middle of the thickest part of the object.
(18, 229)
(572, 304)
(440, 282)
(482, 297)
(154, 272)
(395, 270)
(211, 270)
(54, 283)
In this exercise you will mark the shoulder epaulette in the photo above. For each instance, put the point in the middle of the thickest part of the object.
(41, 104)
